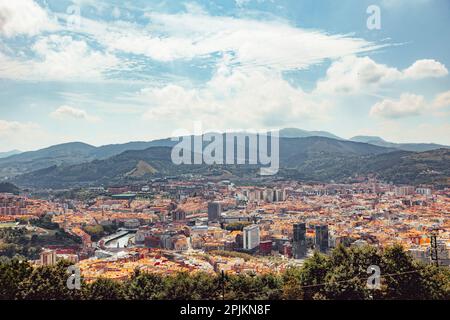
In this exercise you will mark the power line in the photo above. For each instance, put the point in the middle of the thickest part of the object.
(434, 257)
(223, 279)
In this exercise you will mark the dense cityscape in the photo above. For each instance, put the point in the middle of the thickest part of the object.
(169, 226)
(224, 158)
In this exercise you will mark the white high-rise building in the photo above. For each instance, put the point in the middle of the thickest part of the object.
(280, 195)
(251, 237)
(48, 258)
(404, 191)
(269, 195)
(424, 191)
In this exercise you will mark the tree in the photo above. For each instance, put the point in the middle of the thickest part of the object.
(253, 287)
(408, 279)
(12, 274)
(347, 273)
(6, 187)
(313, 274)
(206, 286)
(237, 226)
(145, 286)
(184, 286)
(272, 287)
(341, 275)
(45, 222)
(104, 289)
(95, 231)
(48, 283)
(292, 289)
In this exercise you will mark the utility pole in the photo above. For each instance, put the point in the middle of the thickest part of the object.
(223, 285)
(434, 248)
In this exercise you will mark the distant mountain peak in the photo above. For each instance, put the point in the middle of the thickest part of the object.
(415, 147)
(368, 139)
(300, 133)
(74, 153)
(9, 153)
(73, 144)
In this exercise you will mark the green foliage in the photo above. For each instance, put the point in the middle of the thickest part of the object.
(6, 187)
(98, 231)
(232, 254)
(183, 286)
(343, 276)
(14, 242)
(292, 286)
(45, 222)
(414, 280)
(18, 280)
(307, 159)
(347, 275)
(145, 286)
(95, 231)
(104, 289)
(79, 194)
(48, 283)
(237, 226)
(12, 274)
(339, 276)
(313, 273)
(253, 287)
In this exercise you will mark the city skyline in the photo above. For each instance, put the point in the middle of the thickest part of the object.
(137, 72)
(224, 157)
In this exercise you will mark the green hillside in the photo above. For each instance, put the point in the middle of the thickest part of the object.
(307, 159)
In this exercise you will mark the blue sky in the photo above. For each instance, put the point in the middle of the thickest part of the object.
(141, 70)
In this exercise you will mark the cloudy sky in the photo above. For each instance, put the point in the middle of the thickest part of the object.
(113, 71)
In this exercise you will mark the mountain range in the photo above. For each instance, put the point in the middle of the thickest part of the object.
(299, 133)
(67, 154)
(312, 158)
(306, 155)
(9, 153)
(416, 147)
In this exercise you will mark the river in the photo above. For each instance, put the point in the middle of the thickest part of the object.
(121, 242)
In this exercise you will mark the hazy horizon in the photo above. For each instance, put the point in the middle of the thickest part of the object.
(203, 132)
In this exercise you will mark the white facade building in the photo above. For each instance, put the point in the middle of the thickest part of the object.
(251, 237)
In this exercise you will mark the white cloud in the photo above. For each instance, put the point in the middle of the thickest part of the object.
(404, 132)
(233, 99)
(68, 112)
(425, 69)
(23, 17)
(442, 100)
(8, 128)
(17, 135)
(408, 105)
(59, 58)
(253, 43)
(352, 75)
